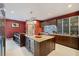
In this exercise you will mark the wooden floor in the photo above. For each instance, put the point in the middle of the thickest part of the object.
(13, 49)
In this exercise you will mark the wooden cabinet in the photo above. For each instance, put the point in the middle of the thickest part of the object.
(40, 48)
(68, 41)
(59, 26)
(65, 26)
(74, 25)
(74, 42)
(44, 48)
(19, 38)
(22, 39)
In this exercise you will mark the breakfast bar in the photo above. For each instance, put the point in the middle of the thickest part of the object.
(40, 45)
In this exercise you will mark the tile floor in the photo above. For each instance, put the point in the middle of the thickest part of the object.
(13, 49)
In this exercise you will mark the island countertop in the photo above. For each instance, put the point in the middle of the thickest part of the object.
(42, 38)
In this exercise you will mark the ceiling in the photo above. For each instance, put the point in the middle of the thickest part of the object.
(41, 11)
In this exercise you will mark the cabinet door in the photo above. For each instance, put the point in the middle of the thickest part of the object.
(59, 26)
(52, 44)
(36, 48)
(59, 39)
(74, 25)
(63, 40)
(66, 26)
(27, 43)
(32, 45)
(75, 43)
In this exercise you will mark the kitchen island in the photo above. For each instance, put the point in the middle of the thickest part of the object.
(40, 45)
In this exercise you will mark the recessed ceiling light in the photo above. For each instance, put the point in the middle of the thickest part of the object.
(12, 12)
(70, 5)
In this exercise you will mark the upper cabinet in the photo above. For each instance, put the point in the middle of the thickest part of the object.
(74, 25)
(59, 26)
(66, 26)
(49, 22)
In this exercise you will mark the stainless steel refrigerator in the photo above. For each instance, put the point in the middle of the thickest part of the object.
(2, 30)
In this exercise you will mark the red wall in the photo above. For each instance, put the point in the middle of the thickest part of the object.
(22, 29)
(38, 28)
(9, 30)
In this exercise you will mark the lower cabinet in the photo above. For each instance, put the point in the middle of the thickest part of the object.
(74, 43)
(19, 39)
(29, 44)
(32, 46)
(68, 41)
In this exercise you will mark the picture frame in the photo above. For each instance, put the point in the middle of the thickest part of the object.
(15, 25)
